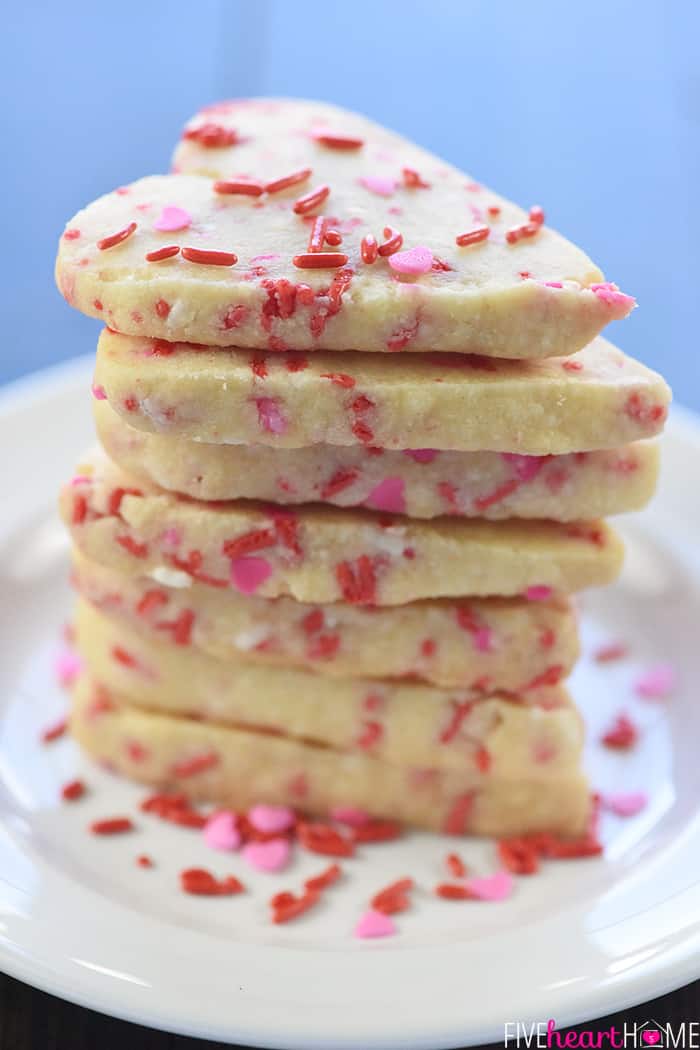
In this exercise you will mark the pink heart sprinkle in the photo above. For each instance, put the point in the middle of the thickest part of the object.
(272, 855)
(539, 592)
(271, 818)
(609, 293)
(388, 495)
(379, 184)
(656, 682)
(494, 887)
(482, 639)
(375, 924)
(171, 537)
(421, 455)
(525, 467)
(413, 261)
(67, 667)
(626, 804)
(651, 1038)
(172, 218)
(350, 815)
(247, 574)
(270, 416)
(221, 831)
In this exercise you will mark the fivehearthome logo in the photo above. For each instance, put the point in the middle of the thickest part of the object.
(647, 1035)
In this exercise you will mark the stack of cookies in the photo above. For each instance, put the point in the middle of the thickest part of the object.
(358, 431)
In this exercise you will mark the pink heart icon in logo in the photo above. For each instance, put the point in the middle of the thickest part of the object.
(651, 1038)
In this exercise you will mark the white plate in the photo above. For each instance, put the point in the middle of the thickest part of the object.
(80, 919)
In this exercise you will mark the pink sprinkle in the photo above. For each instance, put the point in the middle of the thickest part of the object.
(388, 496)
(67, 667)
(172, 218)
(171, 537)
(375, 924)
(98, 392)
(609, 652)
(247, 574)
(380, 184)
(483, 639)
(609, 293)
(491, 888)
(657, 682)
(271, 818)
(272, 855)
(413, 261)
(626, 804)
(266, 258)
(551, 284)
(525, 467)
(538, 593)
(270, 417)
(421, 455)
(80, 479)
(350, 815)
(221, 831)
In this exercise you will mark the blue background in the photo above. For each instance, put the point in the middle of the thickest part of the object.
(591, 110)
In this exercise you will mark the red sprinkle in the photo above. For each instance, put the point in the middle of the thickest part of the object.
(473, 236)
(369, 249)
(526, 229)
(80, 509)
(166, 252)
(340, 480)
(319, 260)
(357, 582)
(286, 906)
(453, 892)
(255, 540)
(162, 308)
(622, 735)
(536, 215)
(339, 378)
(327, 877)
(73, 790)
(324, 839)
(53, 732)
(211, 135)
(174, 808)
(288, 180)
(377, 831)
(412, 180)
(337, 141)
(137, 550)
(242, 186)
(393, 898)
(311, 200)
(392, 242)
(334, 238)
(455, 865)
(202, 883)
(190, 767)
(318, 234)
(607, 654)
(209, 257)
(116, 238)
(144, 861)
(111, 826)
(519, 855)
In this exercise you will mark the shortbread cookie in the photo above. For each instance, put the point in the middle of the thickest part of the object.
(421, 483)
(481, 644)
(538, 735)
(597, 399)
(324, 554)
(249, 271)
(239, 768)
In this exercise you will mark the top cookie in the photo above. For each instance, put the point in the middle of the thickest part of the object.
(296, 184)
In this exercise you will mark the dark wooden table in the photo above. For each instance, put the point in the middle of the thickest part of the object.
(32, 1020)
